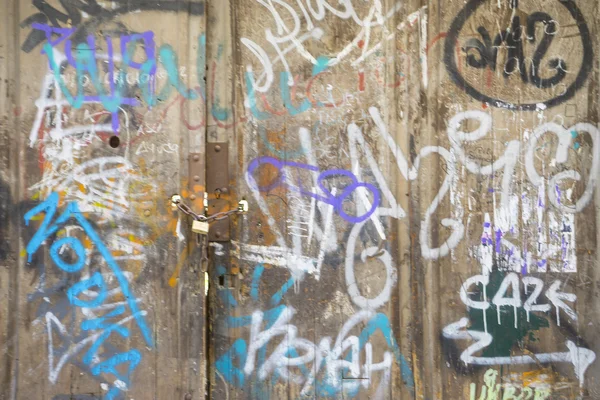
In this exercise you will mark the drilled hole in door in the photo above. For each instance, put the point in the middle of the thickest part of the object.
(114, 142)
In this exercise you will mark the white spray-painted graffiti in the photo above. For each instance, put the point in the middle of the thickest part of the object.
(505, 217)
(343, 187)
(581, 358)
(317, 368)
(555, 206)
(90, 301)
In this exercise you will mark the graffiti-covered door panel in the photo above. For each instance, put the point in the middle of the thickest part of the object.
(104, 292)
(421, 181)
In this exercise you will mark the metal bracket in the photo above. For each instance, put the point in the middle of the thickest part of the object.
(217, 187)
(195, 183)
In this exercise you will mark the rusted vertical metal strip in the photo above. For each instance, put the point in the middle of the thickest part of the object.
(220, 116)
(193, 345)
(217, 187)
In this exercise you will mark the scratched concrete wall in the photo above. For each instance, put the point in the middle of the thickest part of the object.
(422, 179)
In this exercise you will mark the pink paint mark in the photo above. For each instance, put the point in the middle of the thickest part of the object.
(361, 81)
(435, 40)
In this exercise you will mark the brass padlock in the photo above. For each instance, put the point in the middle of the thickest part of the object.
(200, 227)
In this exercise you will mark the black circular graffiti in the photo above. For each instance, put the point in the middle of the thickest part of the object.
(487, 50)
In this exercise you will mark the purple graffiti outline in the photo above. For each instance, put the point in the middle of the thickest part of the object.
(329, 198)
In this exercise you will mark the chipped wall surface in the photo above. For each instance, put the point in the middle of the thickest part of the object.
(422, 188)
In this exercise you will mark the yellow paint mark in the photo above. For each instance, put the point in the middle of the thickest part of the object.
(172, 227)
(416, 375)
(198, 188)
(544, 375)
(182, 257)
(100, 205)
(87, 243)
(136, 239)
(23, 252)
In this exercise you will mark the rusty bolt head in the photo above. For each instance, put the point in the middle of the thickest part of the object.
(224, 190)
(147, 213)
(196, 178)
(193, 197)
(187, 396)
(217, 234)
(196, 157)
(218, 148)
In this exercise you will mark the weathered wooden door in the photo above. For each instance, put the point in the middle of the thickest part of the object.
(422, 189)
(103, 119)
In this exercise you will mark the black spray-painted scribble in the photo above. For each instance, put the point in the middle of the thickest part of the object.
(72, 16)
(483, 53)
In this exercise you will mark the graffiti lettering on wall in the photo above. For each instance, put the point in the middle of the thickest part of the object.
(483, 54)
(104, 81)
(87, 78)
(329, 198)
(500, 318)
(285, 41)
(512, 306)
(367, 208)
(492, 390)
(503, 313)
(580, 357)
(317, 368)
(92, 295)
(327, 187)
(555, 190)
(293, 40)
(496, 242)
(85, 61)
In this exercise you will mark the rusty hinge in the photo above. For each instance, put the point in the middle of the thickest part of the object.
(217, 187)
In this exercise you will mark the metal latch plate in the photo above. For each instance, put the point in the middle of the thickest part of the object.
(217, 187)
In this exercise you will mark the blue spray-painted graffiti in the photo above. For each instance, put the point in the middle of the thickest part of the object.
(334, 199)
(85, 62)
(249, 358)
(319, 69)
(101, 327)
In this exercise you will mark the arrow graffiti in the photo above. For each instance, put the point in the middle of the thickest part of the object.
(581, 358)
